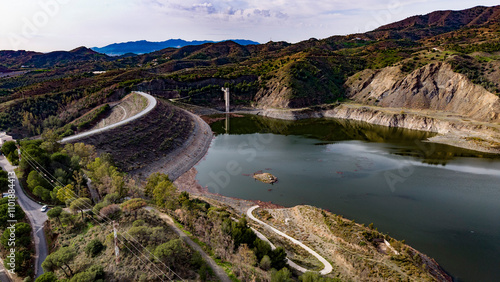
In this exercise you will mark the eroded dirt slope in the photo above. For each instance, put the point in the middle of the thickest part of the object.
(432, 87)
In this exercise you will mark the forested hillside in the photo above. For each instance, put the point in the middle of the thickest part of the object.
(62, 86)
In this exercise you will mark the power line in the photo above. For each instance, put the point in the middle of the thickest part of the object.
(30, 159)
(102, 224)
(84, 205)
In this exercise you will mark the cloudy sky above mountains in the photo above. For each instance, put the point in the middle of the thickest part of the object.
(47, 25)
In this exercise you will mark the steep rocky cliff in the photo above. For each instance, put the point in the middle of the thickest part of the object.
(432, 87)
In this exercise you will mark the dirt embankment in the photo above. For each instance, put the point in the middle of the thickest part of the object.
(187, 155)
(453, 129)
(139, 144)
(433, 87)
(129, 106)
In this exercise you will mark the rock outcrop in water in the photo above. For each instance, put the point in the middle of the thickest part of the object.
(265, 177)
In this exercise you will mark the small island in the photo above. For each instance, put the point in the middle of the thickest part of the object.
(265, 177)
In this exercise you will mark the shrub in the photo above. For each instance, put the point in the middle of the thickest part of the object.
(265, 263)
(47, 277)
(139, 222)
(5, 214)
(94, 248)
(284, 275)
(97, 208)
(111, 211)
(278, 258)
(23, 238)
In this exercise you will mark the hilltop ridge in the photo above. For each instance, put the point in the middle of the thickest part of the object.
(438, 22)
(143, 46)
(280, 75)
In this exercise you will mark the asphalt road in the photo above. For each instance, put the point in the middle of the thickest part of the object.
(35, 216)
(4, 277)
(151, 104)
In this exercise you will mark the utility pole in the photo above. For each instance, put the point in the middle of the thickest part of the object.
(117, 250)
(226, 98)
(18, 151)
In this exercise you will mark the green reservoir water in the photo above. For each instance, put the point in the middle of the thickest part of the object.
(442, 200)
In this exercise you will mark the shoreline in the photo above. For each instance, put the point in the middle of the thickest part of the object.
(187, 182)
(457, 135)
(451, 129)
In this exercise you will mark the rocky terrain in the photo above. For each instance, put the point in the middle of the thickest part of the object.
(453, 130)
(433, 87)
(358, 253)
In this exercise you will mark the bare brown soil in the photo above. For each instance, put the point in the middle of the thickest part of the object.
(142, 142)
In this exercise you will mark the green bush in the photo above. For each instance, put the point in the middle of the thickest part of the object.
(23, 238)
(265, 263)
(94, 248)
(22, 263)
(8, 147)
(18, 214)
(47, 277)
(93, 274)
(284, 275)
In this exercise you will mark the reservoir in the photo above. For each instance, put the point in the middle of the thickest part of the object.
(444, 201)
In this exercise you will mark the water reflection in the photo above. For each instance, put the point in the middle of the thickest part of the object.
(409, 143)
(444, 201)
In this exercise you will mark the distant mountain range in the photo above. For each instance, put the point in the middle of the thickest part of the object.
(143, 46)
(438, 22)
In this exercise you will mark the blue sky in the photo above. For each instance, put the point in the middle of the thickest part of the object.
(47, 25)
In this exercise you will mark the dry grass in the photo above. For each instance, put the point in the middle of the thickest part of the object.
(347, 245)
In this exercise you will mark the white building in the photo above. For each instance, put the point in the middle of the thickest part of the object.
(4, 138)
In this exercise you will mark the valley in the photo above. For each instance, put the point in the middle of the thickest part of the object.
(398, 128)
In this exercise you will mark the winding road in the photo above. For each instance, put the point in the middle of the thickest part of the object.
(35, 216)
(328, 267)
(32, 208)
(151, 105)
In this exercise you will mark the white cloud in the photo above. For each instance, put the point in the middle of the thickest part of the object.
(97, 22)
